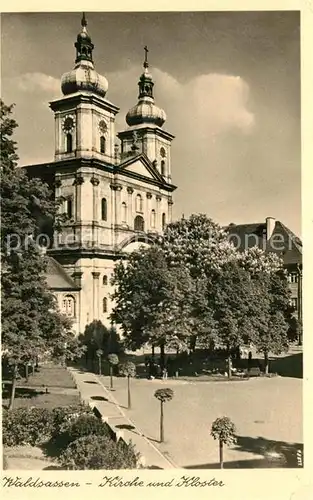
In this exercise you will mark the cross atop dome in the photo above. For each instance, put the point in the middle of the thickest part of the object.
(84, 76)
(146, 64)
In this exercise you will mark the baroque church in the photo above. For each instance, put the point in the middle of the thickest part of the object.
(116, 196)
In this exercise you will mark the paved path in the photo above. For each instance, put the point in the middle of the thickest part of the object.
(95, 389)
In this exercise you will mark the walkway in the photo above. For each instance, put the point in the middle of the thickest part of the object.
(95, 389)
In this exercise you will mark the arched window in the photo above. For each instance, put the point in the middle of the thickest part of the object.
(105, 305)
(163, 221)
(138, 203)
(68, 306)
(163, 167)
(69, 143)
(139, 223)
(104, 280)
(124, 212)
(162, 152)
(104, 209)
(102, 144)
(69, 207)
(152, 218)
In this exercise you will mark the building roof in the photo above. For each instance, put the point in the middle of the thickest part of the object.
(282, 241)
(57, 277)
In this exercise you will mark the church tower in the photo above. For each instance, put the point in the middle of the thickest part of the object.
(146, 120)
(113, 199)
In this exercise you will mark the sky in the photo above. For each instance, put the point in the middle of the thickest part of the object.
(229, 83)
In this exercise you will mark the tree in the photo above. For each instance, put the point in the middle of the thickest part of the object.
(224, 430)
(230, 293)
(163, 395)
(113, 361)
(151, 299)
(31, 323)
(198, 243)
(97, 336)
(128, 369)
(269, 328)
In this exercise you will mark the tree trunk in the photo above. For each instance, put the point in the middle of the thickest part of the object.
(99, 365)
(33, 368)
(128, 393)
(162, 356)
(193, 342)
(221, 455)
(14, 378)
(266, 363)
(26, 372)
(37, 362)
(229, 366)
(161, 424)
(111, 377)
(152, 352)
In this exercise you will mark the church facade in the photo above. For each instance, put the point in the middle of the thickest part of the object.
(116, 196)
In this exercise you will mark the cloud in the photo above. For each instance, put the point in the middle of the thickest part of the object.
(208, 104)
(34, 82)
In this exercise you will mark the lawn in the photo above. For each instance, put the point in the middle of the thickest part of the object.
(50, 386)
(267, 413)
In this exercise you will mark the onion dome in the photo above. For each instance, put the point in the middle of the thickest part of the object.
(84, 76)
(145, 110)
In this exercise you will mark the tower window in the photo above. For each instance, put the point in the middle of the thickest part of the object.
(162, 152)
(139, 223)
(163, 221)
(163, 167)
(105, 305)
(124, 212)
(69, 208)
(69, 143)
(104, 209)
(102, 144)
(138, 203)
(104, 280)
(152, 218)
(68, 306)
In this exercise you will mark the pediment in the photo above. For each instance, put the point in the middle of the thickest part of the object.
(140, 166)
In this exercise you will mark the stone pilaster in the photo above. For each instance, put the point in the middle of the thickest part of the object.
(130, 217)
(95, 293)
(158, 222)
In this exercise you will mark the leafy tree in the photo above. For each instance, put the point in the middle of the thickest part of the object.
(31, 324)
(198, 243)
(113, 361)
(230, 293)
(151, 299)
(98, 337)
(163, 395)
(269, 331)
(224, 430)
(128, 369)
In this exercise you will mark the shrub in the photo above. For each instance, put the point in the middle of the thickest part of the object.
(86, 425)
(27, 426)
(98, 452)
(64, 416)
